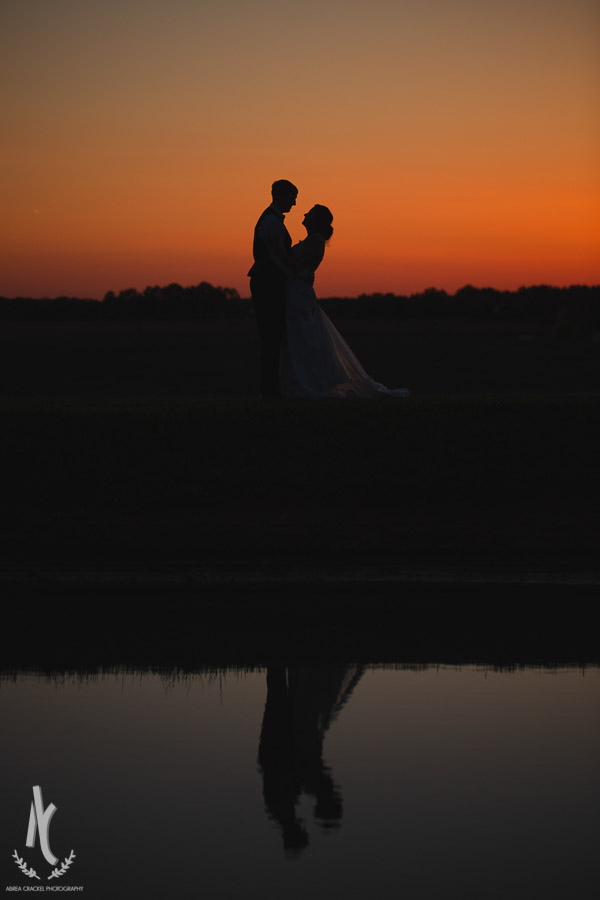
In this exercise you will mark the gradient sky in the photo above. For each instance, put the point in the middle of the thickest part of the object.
(455, 141)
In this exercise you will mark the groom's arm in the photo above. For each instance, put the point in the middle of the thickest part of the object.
(273, 235)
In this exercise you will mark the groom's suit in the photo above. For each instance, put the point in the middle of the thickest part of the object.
(272, 245)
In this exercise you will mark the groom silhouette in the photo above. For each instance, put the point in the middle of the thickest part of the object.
(272, 262)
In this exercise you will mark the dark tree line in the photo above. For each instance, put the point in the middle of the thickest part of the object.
(575, 307)
(572, 310)
(201, 301)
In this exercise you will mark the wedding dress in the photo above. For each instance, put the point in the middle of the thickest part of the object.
(316, 362)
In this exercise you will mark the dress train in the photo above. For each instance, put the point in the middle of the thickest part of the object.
(317, 363)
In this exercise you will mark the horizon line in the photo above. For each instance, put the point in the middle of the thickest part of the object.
(390, 293)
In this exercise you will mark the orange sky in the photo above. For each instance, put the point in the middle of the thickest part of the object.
(455, 141)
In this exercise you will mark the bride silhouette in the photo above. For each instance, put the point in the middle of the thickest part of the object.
(316, 362)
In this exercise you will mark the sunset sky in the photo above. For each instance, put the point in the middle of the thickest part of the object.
(455, 141)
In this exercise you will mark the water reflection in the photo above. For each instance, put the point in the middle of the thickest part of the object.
(465, 781)
(301, 704)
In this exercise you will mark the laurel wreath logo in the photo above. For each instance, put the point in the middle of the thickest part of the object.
(31, 873)
(55, 873)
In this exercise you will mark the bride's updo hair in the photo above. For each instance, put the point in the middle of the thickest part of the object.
(323, 219)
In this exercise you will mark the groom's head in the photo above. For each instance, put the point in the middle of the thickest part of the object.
(284, 194)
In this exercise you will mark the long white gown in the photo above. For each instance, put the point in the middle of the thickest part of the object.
(316, 362)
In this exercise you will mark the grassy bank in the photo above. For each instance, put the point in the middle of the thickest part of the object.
(169, 629)
(486, 474)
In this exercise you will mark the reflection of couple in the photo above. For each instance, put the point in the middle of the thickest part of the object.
(302, 353)
(302, 702)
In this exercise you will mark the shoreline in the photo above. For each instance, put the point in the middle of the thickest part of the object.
(293, 574)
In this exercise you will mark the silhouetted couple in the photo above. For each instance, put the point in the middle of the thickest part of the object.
(302, 355)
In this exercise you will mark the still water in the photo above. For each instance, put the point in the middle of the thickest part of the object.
(306, 782)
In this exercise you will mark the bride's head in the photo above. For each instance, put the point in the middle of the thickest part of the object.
(318, 221)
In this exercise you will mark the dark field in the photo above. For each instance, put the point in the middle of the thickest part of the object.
(211, 359)
(143, 445)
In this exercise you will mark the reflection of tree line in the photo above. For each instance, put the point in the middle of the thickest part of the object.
(302, 702)
(574, 311)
